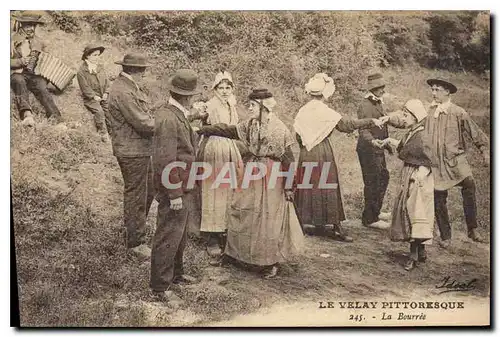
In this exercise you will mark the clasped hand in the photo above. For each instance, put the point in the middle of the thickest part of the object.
(103, 98)
(380, 121)
(382, 143)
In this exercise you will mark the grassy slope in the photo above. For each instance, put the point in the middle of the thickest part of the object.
(73, 270)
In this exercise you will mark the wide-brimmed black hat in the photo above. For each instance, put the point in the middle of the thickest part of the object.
(25, 18)
(442, 83)
(260, 94)
(89, 49)
(134, 60)
(184, 82)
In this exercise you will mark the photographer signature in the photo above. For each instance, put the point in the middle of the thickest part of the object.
(453, 285)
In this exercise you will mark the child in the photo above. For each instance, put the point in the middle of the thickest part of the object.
(413, 213)
(94, 85)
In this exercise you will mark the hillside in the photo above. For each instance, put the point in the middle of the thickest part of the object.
(67, 188)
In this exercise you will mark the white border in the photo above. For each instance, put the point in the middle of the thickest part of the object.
(185, 5)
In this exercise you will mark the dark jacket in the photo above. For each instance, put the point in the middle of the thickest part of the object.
(415, 148)
(131, 124)
(370, 108)
(15, 49)
(92, 84)
(174, 141)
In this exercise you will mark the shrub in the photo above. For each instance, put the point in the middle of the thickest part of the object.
(278, 50)
(108, 23)
(65, 21)
(403, 38)
(460, 41)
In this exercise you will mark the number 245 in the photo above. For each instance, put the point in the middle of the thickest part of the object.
(357, 318)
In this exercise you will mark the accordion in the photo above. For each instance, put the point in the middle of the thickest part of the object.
(50, 68)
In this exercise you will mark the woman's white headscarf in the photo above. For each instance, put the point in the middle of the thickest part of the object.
(224, 75)
(416, 108)
(315, 120)
(320, 85)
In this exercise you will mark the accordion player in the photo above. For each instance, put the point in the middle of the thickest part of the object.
(25, 54)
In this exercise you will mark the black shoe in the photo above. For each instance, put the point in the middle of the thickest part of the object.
(213, 245)
(410, 265)
(472, 234)
(168, 297)
(320, 231)
(341, 234)
(445, 244)
(214, 251)
(345, 238)
(184, 279)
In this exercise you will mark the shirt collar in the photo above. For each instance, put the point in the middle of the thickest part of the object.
(373, 97)
(92, 67)
(440, 107)
(178, 105)
(130, 78)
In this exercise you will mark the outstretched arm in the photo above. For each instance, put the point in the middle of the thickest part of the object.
(220, 130)
(396, 121)
(348, 124)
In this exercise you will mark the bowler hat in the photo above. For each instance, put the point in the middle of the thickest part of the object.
(89, 49)
(134, 60)
(375, 81)
(260, 94)
(442, 83)
(184, 82)
(24, 18)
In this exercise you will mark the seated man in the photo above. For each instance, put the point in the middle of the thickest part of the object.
(25, 47)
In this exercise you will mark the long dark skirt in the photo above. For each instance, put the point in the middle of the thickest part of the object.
(315, 205)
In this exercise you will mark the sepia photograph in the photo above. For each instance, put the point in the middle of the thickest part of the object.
(209, 168)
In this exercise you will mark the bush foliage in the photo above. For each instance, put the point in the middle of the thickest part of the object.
(282, 49)
(65, 21)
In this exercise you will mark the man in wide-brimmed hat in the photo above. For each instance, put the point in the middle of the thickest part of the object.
(174, 143)
(371, 154)
(131, 126)
(94, 85)
(25, 47)
(447, 124)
